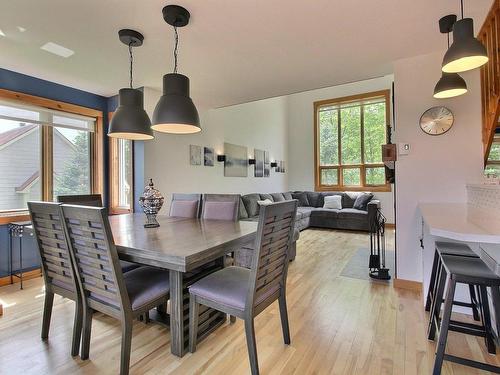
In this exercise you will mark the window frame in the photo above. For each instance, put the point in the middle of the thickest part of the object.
(114, 171)
(362, 166)
(46, 148)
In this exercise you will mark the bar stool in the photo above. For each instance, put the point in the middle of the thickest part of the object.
(471, 271)
(454, 249)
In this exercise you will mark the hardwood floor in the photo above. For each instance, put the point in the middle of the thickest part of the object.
(338, 325)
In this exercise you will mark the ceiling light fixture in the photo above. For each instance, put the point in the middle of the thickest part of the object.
(57, 49)
(466, 52)
(175, 112)
(130, 120)
(450, 84)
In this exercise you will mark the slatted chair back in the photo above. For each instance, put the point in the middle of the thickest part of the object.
(220, 207)
(270, 261)
(93, 200)
(185, 205)
(94, 255)
(57, 267)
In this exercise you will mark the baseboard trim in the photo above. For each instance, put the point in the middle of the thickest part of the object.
(390, 226)
(415, 286)
(37, 272)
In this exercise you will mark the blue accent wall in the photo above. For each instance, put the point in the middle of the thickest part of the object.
(22, 83)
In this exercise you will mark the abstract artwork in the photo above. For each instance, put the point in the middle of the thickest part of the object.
(267, 164)
(259, 162)
(208, 156)
(236, 164)
(194, 155)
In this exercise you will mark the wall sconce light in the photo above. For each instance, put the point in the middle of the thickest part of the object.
(274, 164)
(221, 158)
(251, 161)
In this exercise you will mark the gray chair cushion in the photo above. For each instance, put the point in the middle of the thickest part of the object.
(145, 285)
(278, 197)
(301, 196)
(250, 202)
(266, 196)
(228, 287)
(362, 201)
(314, 199)
(288, 196)
(128, 266)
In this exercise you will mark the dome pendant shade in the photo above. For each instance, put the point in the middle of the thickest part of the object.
(130, 120)
(175, 112)
(466, 52)
(449, 86)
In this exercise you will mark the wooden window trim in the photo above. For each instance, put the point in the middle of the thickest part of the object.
(317, 168)
(114, 208)
(96, 146)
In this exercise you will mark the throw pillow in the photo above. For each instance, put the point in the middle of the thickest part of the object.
(265, 202)
(302, 198)
(333, 201)
(362, 200)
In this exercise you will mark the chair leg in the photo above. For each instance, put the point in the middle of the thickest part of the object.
(443, 331)
(490, 343)
(126, 347)
(436, 304)
(146, 317)
(87, 329)
(77, 328)
(432, 282)
(232, 319)
(284, 319)
(47, 313)
(251, 346)
(474, 302)
(194, 308)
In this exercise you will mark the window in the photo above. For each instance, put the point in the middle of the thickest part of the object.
(121, 175)
(349, 134)
(46, 152)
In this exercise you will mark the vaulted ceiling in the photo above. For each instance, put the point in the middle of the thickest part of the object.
(234, 51)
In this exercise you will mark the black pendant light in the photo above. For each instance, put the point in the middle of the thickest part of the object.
(450, 84)
(466, 52)
(130, 120)
(175, 112)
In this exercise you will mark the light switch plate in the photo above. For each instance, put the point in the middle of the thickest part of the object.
(404, 148)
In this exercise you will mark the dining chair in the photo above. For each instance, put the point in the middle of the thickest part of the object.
(102, 284)
(185, 205)
(220, 207)
(245, 293)
(57, 268)
(93, 200)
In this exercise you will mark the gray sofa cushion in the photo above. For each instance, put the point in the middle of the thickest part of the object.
(302, 198)
(288, 196)
(349, 197)
(321, 199)
(243, 210)
(362, 201)
(325, 212)
(304, 211)
(266, 196)
(278, 197)
(352, 213)
(314, 198)
(251, 205)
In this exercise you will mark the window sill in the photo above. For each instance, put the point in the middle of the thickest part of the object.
(7, 217)
(374, 189)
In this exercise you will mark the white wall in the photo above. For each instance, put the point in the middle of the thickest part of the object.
(261, 124)
(301, 133)
(438, 167)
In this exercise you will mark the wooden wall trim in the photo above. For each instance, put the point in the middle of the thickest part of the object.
(37, 272)
(415, 286)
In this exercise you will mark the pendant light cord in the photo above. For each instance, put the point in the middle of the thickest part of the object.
(131, 63)
(462, 8)
(176, 48)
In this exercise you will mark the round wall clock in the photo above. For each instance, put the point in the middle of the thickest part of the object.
(436, 120)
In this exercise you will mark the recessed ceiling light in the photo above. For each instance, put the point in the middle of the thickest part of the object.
(21, 29)
(2, 33)
(57, 49)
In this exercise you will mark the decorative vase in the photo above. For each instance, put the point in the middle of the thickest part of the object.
(151, 202)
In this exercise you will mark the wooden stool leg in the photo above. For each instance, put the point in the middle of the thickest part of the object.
(443, 331)
(474, 302)
(490, 343)
(432, 282)
(436, 303)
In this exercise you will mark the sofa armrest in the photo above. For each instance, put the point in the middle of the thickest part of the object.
(372, 207)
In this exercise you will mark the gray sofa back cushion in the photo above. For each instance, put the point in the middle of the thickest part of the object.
(362, 201)
(250, 202)
(288, 196)
(313, 198)
(266, 196)
(349, 197)
(301, 196)
(278, 197)
(243, 210)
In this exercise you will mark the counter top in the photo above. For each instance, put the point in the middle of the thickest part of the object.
(454, 221)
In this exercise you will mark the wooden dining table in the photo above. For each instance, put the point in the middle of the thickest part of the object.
(190, 249)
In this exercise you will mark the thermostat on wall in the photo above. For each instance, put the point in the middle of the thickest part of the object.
(403, 148)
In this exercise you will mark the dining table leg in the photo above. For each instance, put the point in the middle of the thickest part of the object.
(176, 313)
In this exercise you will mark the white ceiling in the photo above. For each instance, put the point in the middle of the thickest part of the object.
(234, 51)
